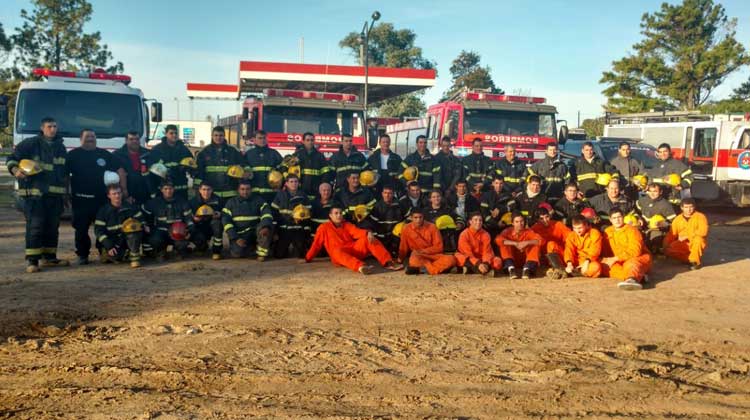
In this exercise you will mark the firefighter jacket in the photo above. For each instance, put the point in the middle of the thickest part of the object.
(431, 214)
(603, 204)
(581, 248)
(214, 202)
(554, 175)
(242, 216)
(314, 169)
(392, 175)
(350, 200)
(138, 181)
(659, 172)
(627, 168)
(320, 212)
(261, 161)
(213, 163)
(408, 204)
(160, 213)
(283, 205)
(451, 170)
(514, 174)
(51, 155)
(345, 164)
(428, 177)
(108, 222)
(171, 156)
(463, 206)
(492, 200)
(565, 209)
(385, 216)
(649, 208)
(587, 172)
(526, 204)
(478, 168)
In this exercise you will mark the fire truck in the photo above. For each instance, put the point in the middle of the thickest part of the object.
(288, 99)
(715, 147)
(527, 122)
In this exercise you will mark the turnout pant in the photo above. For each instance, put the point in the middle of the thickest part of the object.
(513, 257)
(260, 237)
(209, 232)
(159, 239)
(434, 263)
(686, 251)
(42, 226)
(654, 240)
(635, 267)
(352, 256)
(126, 245)
(84, 214)
(450, 240)
(298, 236)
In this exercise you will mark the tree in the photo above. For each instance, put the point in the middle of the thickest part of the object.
(593, 127)
(467, 73)
(389, 47)
(688, 50)
(53, 36)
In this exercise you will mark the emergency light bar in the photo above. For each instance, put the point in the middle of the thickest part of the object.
(481, 96)
(97, 74)
(305, 94)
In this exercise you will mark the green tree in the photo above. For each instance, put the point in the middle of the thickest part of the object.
(593, 127)
(688, 50)
(466, 72)
(389, 47)
(742, 93)
(52, 35)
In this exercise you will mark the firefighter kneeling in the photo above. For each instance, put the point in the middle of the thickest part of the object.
(170, 221)
(118, 227)
(247, 221)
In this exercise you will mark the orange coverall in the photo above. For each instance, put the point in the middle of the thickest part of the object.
(553, 236)
(429, 244)
(587, 247)
(695, 229)
(627, 245)
(474, 247)
(529, 254)
(347, 245)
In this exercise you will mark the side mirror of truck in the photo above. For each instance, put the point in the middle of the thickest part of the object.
(563, 135)
(3, 111)
(156, 112)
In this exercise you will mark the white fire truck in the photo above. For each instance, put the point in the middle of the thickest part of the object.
(716, 148)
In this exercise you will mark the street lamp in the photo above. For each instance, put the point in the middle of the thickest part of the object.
(364, 38)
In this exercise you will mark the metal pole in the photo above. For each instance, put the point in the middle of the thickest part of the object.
(177, 103)
(367, 63)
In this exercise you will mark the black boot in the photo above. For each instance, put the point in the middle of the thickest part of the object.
(556, 269)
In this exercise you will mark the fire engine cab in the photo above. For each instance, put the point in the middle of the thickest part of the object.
(715, 147)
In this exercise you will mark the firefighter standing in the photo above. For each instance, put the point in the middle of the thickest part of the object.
(477, 167)
(314, 168)
(553, 173)
(347, 160)
(213, 166)
(428, 168)
(247, 220)
(628, 168)
(262, 160)
(292, 230)
(171, 152)
(207, 229)
(451, 167)
(588, 168)
(513, 171)
(672, 175)
(166, 216)
(389, 166)
(133, 159)
(38, 163)
(118, 229)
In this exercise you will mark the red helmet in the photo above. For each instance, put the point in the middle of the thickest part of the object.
(588, 213)
(178, 231)
(547, 206)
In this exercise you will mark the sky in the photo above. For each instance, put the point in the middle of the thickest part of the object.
(552, 48)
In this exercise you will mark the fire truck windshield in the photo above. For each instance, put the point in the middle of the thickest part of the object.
(280, 119)
(108, 114)
(490, 121)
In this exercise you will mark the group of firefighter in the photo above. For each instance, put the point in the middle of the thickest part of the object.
(434, 213)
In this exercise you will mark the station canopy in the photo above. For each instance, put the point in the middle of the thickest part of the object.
(255, 76)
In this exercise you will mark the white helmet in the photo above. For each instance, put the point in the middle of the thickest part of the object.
(159, 169)
(111, 178)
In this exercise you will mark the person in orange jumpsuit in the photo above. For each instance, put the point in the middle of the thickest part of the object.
(519, 247)
(474, 248)
(583, 248)
(686, 239)
(553, 233)
(630, 260)
(423, 244)
(349, 245)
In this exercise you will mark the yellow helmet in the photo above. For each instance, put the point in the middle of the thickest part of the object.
(159, 169)
(653, 223)
(189, 162)
(290, 160)
(445, 222)
(397, 229)
(29, 167)
(630, 219)
(300, 213)
(295, 170)
(236, 171)
(360, 212)
(672, 179)
(204, 210)
(368, 178)
(603, 179)
(640, 181)
(131, 225)
(507, 219)
(411, 173)
(275, 179)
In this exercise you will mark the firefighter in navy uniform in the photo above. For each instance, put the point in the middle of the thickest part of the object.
(589, 167)
(213, 166)
(451, 167)
(629, 169)
(314, 168)
(493, 205)
(529, 200)
(171, 152)
(445, 219)
(248, 221)
(207, 229)
(461, 201)
(606, 201)
(386, 214)
(552, 171)
(389, 166)
(513, 171)
(133, 159)
(427, 166)
(414, 199)
(320, 207)
(38, 163)
(570, 205)
(347, 160)
(118, 229)
(86, 166)
(666, 169)
(262, 160)
(478, 167)
(294, 231)
(357, 202)
(657, 214)
(163, 214)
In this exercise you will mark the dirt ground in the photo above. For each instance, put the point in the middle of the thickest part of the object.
(238, 339)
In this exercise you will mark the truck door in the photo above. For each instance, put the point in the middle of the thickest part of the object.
(703, 152)
(739, 157)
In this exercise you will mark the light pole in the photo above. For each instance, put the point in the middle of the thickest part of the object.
(177, 102)
(364, 38)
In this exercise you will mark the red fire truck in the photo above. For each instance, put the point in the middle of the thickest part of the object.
(288, 99)
(527, 122)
